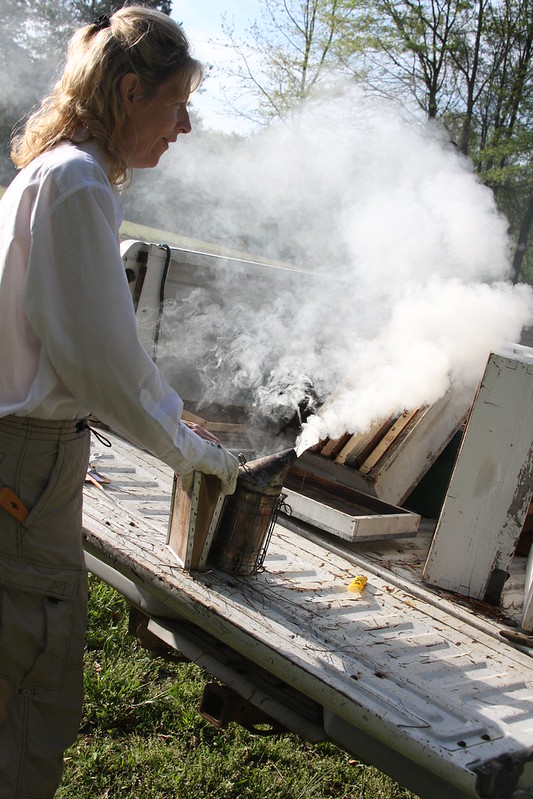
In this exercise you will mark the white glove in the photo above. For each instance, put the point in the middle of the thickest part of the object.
(218, 461)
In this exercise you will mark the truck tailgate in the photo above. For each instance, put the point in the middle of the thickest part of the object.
(401, 676)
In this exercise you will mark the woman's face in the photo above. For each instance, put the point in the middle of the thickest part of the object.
(152, 123)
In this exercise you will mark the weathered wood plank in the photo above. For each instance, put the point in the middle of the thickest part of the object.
(527, 617)
(188, 416)
(226, 427)
(388, 439)
(408, 458)
(195, 509)
(359, 445)
(333, 446)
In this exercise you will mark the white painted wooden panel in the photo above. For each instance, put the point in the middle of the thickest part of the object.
(527, 619)
(491, 486)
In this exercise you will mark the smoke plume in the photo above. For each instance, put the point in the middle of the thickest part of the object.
(407, 261)
(400, 260)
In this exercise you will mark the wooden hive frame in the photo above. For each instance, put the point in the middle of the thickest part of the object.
(393, 454)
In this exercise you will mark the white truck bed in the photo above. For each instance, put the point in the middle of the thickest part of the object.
(405, 678)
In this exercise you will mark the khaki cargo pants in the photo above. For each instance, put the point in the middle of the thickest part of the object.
(43, 602)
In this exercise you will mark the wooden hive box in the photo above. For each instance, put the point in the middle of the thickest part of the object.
(390, 458)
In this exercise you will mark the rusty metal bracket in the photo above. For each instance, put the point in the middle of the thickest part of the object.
(138, 627)
(499, 777)
(220, 705)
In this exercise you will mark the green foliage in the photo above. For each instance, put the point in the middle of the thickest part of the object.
(82, 11)
(472, 67)
(296, 48)
(143, 738)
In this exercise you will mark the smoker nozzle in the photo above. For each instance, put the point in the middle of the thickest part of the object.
(269, 471)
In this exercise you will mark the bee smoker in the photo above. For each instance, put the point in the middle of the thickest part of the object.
(245, 526)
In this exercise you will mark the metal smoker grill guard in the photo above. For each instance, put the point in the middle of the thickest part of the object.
(245, 527)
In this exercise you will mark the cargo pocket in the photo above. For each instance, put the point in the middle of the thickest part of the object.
(53, 468)
(36, 618)
(51, 533)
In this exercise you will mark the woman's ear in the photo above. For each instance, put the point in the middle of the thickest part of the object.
(130, 91)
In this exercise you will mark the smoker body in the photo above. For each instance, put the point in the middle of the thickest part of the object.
(245, 526)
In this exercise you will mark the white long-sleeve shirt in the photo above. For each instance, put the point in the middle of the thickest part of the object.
(68, 336)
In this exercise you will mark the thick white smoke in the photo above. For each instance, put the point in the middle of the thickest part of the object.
(409, 256)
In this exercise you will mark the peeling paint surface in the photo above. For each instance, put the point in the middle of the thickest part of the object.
(491, 485)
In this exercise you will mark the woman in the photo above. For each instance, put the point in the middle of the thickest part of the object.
(69, 347)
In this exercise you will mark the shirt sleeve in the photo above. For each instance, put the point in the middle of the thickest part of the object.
(79, 305)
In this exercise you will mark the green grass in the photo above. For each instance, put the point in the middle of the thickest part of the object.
(142, 735)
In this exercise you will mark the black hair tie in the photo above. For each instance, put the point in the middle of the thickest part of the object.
(103, 21)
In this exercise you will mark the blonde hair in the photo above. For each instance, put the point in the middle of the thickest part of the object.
(86, 100)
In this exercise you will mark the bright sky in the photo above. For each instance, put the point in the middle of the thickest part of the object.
(202, 22)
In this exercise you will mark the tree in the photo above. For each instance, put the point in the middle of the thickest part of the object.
(466, 63)
(502, 150)
(85, 11)
(30, 49)
(416, 37)
(287, 56)
(469, 63)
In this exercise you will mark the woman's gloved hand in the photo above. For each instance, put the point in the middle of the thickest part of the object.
(218, 461)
